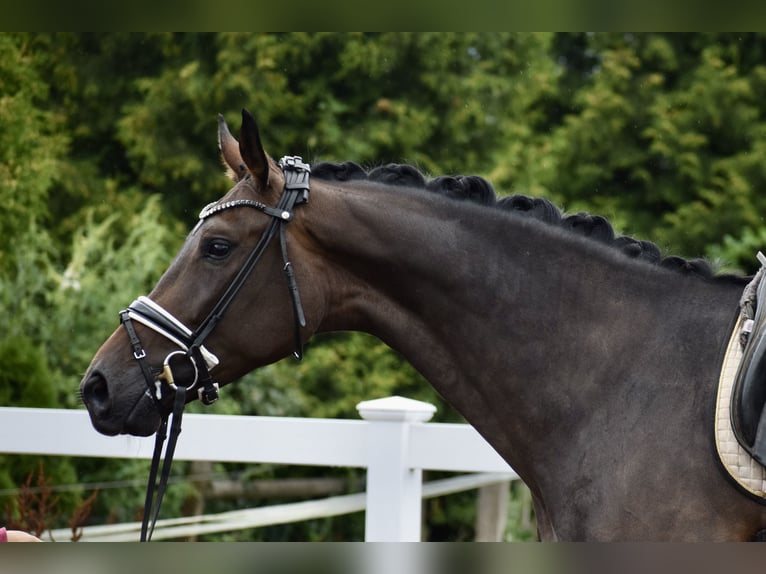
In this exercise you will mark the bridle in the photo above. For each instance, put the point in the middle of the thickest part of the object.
(189, 367)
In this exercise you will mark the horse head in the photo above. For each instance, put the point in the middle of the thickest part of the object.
(192, 329)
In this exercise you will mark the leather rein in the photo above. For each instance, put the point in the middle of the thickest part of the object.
(189, 367)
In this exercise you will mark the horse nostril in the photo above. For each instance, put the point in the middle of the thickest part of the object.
(95, 394)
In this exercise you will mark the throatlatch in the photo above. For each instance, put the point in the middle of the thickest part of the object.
(189, 367)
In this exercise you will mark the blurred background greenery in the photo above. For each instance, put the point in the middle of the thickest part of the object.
(108, 151)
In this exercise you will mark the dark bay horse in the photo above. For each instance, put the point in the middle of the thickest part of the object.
(588, 361)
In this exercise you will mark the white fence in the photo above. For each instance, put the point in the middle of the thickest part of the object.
(393, 442)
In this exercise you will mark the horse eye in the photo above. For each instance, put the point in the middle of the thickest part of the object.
(217, 249)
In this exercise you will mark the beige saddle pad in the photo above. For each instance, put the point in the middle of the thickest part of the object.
(743, 468)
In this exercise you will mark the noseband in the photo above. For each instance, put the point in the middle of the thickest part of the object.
(189, 367)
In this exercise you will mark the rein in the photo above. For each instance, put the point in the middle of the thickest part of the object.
(189, 367)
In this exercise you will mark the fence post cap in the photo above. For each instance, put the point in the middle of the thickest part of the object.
(396, 409)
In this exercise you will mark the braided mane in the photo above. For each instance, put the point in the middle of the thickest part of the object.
(479, 190)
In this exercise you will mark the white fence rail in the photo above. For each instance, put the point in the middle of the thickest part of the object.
(393, 442)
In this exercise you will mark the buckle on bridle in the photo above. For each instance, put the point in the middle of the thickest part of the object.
(297, 174)
(208, 394)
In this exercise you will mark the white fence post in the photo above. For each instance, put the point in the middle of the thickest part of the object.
(394, 489)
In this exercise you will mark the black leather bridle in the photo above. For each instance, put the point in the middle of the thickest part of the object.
(189, 367)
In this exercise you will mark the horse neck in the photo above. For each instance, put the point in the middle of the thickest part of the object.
(496, 310)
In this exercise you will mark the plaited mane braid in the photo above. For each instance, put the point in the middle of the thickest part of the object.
(478, 190)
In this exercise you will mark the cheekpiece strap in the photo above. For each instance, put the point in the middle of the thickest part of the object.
(140, 355)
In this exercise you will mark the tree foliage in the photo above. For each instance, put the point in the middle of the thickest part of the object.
(108, 151)
(664, 133)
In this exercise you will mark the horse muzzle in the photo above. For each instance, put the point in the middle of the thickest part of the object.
(116, 403)
(128, 412)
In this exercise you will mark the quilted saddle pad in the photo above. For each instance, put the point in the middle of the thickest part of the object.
(743, 468)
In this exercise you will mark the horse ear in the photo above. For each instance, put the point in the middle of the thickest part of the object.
(229, 146)
(251, 150)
